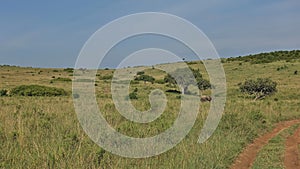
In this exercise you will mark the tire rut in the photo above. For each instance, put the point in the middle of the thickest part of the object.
(291, 156)
(247, 157)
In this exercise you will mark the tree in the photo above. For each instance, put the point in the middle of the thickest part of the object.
(184, 78)
(145, 78)
(260, 88)
(169, 79)
(203, 84)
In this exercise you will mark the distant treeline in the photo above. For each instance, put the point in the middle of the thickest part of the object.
(269, 57)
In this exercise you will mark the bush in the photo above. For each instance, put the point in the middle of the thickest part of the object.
(282, 68)
(259, 87)
(37, 90)
(106, 77)
(203, 84)
(192, 62)
(3, 92)
(145, 78)
(133, 95)
(140, 73)
(134, 82)
(69, 70)
(160, 81)
(62, 79)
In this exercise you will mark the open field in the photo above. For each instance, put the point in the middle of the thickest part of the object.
(43, 132)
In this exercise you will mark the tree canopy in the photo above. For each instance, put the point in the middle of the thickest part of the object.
(185, 78)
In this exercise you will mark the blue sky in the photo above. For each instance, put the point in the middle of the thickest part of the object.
(51, 33)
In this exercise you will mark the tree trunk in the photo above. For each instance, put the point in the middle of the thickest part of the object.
(184, 89)
(259, 97)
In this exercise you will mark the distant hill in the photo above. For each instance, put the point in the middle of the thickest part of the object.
(269, 57)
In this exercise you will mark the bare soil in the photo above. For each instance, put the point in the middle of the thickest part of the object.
(291, 157)
(247, 157)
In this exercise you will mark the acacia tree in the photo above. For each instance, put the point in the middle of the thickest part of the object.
(184, 78)
(260, 88)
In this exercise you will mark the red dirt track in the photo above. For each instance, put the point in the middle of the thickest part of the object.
(247, 157)
(291, 156)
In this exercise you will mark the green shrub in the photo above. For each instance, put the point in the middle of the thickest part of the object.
(140, 73)
(133, 95)
(69, 70)
(203, 84)
(37, 90)
(259, 87)
(106, 77)
(160, 81)
(282, 68)
(62, 79)
(3, 92)
(145, 78)
(223, 60)
(134, 82)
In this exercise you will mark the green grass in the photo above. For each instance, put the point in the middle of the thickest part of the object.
(43, 132)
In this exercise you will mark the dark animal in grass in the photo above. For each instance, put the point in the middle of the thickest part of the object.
(205, 99)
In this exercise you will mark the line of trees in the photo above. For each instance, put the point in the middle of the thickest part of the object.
(268, 57)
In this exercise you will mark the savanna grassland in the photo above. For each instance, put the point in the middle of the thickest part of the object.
(43, 131)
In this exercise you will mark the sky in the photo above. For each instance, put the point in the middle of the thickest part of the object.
(38, 33)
